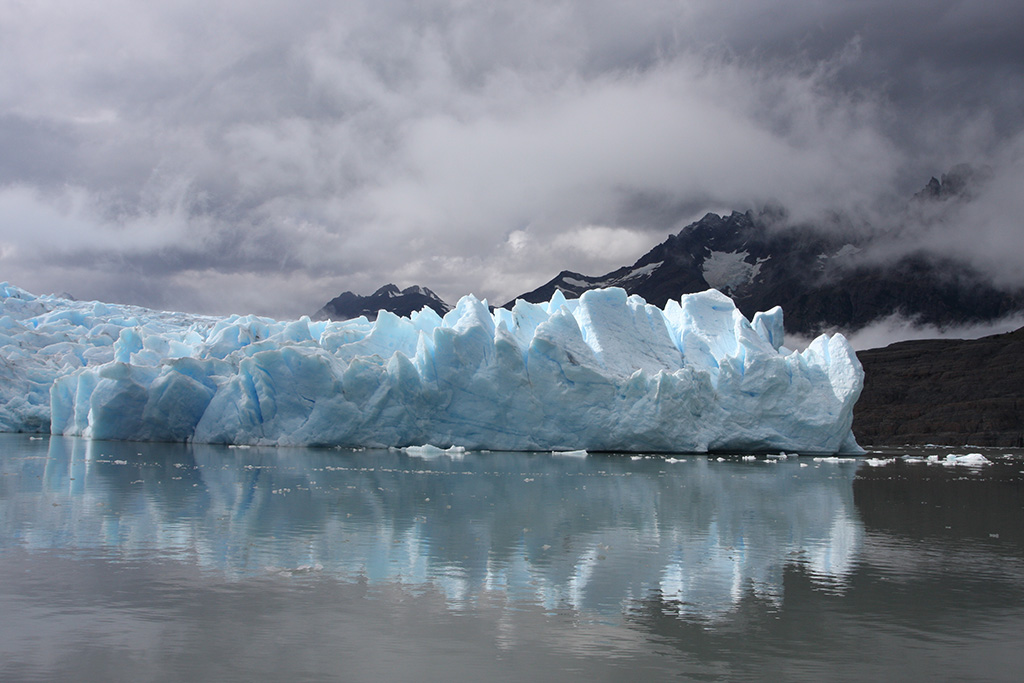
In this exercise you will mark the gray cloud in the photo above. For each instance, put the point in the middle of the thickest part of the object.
(236, 156)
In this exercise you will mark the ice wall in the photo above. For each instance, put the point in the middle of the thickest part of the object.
(603, 372)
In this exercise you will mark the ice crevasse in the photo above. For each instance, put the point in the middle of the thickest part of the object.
(606, 371)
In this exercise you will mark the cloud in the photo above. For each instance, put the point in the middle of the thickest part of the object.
(216, 156)
(988, 230)
(896, 328)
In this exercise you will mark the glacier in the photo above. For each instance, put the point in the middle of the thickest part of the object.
(605, 372)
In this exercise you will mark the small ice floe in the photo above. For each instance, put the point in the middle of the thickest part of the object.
(879, 462)
(571, 454)
(424, 451)
(428, 451)
(954, 460)
(679, 459)
(749, 457)
(834, 459)
(239, 445)
(777, 456)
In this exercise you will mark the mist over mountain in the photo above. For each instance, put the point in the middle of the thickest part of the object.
(826, 276)
(840, 273)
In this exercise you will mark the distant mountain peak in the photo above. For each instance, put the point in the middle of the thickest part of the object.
(960, 182)
(401, 302)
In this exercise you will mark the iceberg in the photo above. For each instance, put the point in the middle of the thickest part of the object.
(605, 372)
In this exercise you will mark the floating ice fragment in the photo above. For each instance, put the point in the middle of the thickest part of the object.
(968, 460)
(429, 452)
(424, 451)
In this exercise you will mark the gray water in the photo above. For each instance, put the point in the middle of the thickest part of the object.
(161, 562)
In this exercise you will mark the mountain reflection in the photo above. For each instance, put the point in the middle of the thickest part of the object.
(595, 533)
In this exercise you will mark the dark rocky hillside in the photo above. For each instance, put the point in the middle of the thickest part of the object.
(943, 391)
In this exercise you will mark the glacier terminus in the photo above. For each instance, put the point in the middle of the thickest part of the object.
(605, 372)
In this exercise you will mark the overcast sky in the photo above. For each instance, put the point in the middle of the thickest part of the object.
(247, 156)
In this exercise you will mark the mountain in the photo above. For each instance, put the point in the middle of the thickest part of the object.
(945, 391)
(819, 275)
(389, 298)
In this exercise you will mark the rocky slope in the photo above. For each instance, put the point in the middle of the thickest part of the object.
(943, 391)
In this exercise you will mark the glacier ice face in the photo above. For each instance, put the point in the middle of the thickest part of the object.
(602, 372)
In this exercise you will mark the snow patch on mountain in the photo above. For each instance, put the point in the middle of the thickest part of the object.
(725, 271)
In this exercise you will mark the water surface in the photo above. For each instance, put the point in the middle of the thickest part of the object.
(129, 561)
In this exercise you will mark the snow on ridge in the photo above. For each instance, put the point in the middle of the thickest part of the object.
(639, 272)
(642, 271)
(603, 372)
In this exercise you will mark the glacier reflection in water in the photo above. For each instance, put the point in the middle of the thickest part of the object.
(127, 561)
(583, 533)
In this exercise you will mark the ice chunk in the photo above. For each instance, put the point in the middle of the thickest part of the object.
(604, 372)
(954, 460)
(430, 452)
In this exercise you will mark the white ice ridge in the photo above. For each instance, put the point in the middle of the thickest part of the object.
(602, 372)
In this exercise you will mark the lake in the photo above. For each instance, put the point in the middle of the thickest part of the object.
(163, 562)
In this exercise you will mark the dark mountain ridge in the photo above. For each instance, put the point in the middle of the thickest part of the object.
(402, 302)
(819, 275)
